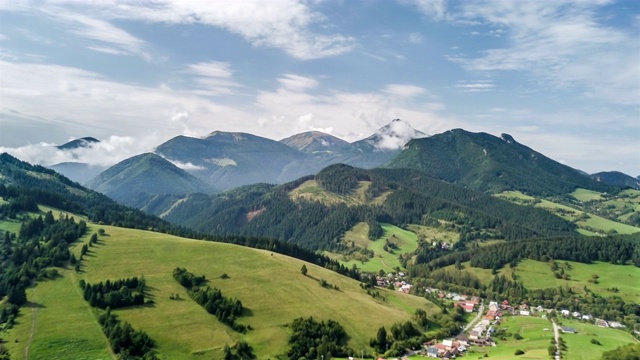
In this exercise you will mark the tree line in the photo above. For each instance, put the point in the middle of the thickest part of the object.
(114, 294)
(124, 340)
(225, 309)
(312, 339)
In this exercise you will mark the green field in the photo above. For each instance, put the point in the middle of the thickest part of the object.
(535, 340)
(537, 275)
(586, 195)
(406, 241)
(312, 191)
(270, 286)
(579, 346)
(624, 205)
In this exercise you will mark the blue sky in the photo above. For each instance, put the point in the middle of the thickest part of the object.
(562, 77)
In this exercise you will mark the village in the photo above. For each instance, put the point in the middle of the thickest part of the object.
(480, 329)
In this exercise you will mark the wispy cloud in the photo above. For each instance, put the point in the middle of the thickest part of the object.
(560, 43)
(213, 78)
(281, 24)
(415, 38)
(435, 9)
(475, 86)
(297, 82)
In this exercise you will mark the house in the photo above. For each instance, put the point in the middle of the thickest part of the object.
(468, 307)
(568, 330)
(587, 317)
(615, 324)
(575, 314)
(463, 340)
(565, 312)
(525, 312)
(539, 308)
(432, 352)
(473, 335)
(601, 323)
(447, 342)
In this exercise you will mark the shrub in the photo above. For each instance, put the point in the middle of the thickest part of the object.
(519, 352)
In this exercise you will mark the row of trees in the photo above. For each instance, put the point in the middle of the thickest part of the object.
(211, 299)
(114, 294)
(124, 340)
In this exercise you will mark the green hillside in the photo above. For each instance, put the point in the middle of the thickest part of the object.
(269, 285)
(135, 180)
(491, 164)
(594, 213)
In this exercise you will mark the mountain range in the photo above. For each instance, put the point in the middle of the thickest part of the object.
(225, 160)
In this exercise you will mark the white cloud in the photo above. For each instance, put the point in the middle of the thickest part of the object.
(477, 86)
(562, 44)
(297, 82)
(415, 38)
(282, 24)
(404, 90)
(435, 9)
(213, 78)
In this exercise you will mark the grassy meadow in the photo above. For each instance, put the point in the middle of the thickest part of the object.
(579, 346)
(588, 223)
(406, 241)
(272, 289)
(312, 191)
(536, 336)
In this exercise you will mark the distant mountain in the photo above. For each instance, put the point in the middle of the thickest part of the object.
(78, 172)
(312, 142)
(226, 160)
(135, 181)
(617, 178)
(389, 138)
(492, 164)
(78, 143)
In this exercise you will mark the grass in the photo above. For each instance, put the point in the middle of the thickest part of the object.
(535, 340)
(579, 346)
(311, 190)
(434, 234)
(586, 195)
(406, 241)
(538, 275)
(270, 287)
(588, 223)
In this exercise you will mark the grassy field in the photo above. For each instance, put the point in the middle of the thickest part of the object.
(537, 274)
(311, 190)
(435, 234)
(535, 340)
(270, 286)
(586, 195)
(579, 346)
(406, 241)
(589, 224)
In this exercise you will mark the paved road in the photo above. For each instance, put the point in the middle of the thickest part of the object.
(475, 320)
(556, 333)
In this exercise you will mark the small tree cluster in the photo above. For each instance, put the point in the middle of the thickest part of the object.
(116, 294)
(124, 339)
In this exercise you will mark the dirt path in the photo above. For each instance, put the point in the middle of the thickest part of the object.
(33, 330)
(556, 333)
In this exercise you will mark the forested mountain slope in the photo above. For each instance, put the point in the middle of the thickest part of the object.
(487, 163)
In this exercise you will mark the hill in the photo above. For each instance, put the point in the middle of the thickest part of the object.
(616, 178)
(134, 181)
(269, 285)
(490, 164)
(315, 215)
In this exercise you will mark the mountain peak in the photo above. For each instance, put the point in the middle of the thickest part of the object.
(315, 141)
(393, 136)
(78, 143)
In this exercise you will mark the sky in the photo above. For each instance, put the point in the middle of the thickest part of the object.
(560, 76)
